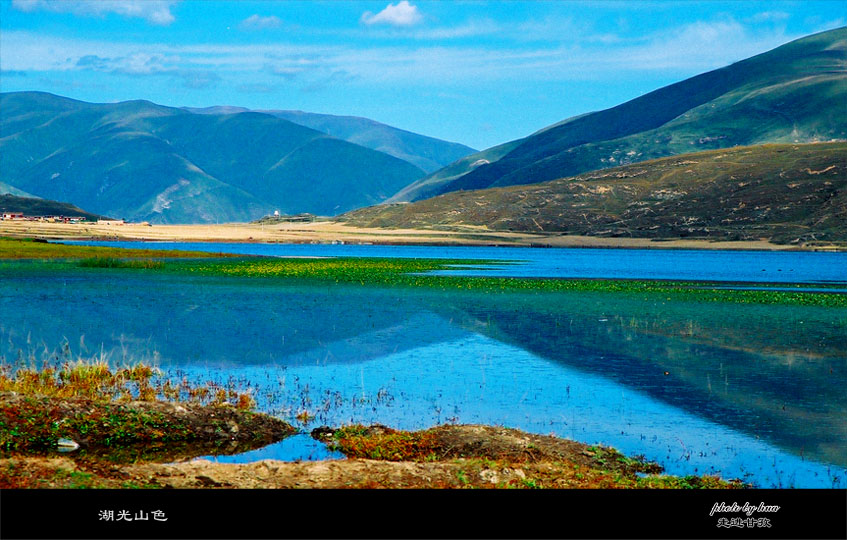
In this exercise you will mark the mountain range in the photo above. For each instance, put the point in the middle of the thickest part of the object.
(426, 153)
(142, 161)
(795, 93)
(786, 193)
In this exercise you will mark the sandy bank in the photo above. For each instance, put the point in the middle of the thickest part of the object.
(329, 232)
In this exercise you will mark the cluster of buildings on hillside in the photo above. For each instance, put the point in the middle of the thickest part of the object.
(20, 216)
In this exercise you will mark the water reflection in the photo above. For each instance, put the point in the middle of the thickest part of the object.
(495, 383)
(775, 372)
(744, 390)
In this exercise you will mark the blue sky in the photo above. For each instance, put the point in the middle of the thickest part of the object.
(479, 73)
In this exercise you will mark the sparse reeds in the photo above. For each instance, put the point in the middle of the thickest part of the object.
(101, 405)
(304, 417)
(97, 380)
(112, 262)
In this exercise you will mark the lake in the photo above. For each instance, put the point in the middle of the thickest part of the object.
(681, 264)
(742, 390)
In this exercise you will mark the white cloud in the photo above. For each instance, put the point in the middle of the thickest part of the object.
(37, 53)
(469, 29)
(154, 11)
(137, 63)
(770, 16)
(560, 29)
(257, 22)
(473, 28)
(829, 25)
(702, 45)
(682, 51)
(401, 14)
(257, 88)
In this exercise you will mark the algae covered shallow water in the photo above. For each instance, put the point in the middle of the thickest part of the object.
(745, 390)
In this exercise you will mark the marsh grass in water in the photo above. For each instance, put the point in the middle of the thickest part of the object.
(97, 380)
(411, 273)
(29, 248)
(88, 380)
(110, 262)
(402, 273)
(90, 399)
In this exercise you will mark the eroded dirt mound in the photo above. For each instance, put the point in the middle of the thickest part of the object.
(474, 441)
(146, 430)
(515, 445)
(62, 472)
(451, 456)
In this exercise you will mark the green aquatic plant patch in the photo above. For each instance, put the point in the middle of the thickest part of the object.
(28, 248)
(413, 273)
(111, 262)
(399, 272)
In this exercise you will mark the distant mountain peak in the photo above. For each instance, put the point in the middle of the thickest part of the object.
(143, 161)
(794, 93)
(426, 153)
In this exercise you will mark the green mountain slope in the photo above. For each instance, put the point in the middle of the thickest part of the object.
(426, 153)
(439, 181)
(42, 207)
(784, 192)
(142, 161)
(794, 93)
(435, 183)
(6, 189)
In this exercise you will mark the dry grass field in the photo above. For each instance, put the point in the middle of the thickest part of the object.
(329, 232)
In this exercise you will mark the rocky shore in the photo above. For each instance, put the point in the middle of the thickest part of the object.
(153, 445)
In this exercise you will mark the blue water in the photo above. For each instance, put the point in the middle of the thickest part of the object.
(507, 386)
(746, 391)
(696, 265)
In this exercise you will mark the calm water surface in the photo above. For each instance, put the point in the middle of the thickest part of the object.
(753, 392)
(683, 264)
